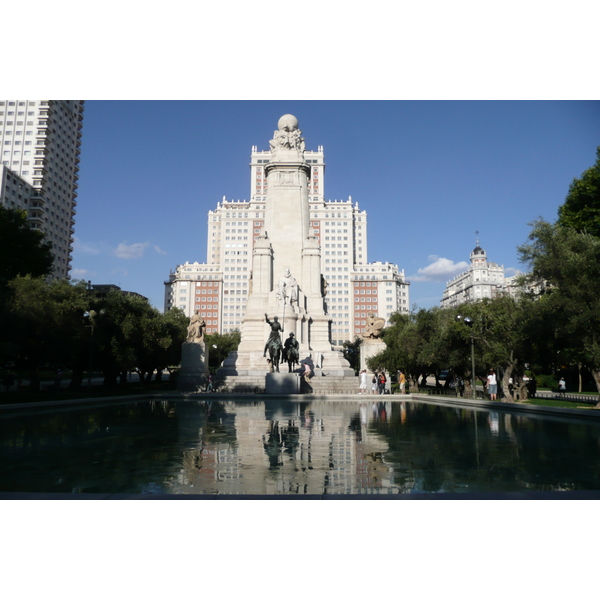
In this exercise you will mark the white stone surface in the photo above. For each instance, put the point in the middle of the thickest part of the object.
(286, 253)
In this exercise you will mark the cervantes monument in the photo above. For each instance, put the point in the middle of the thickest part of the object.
(286, 280)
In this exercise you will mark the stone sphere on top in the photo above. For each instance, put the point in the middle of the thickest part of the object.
(288, 123)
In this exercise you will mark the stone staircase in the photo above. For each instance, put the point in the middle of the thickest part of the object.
(255, 384)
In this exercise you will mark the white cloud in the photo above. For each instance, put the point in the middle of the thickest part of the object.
(130, 251)
(127, 252)
(82, 273)
(441, 269)
(79, 246)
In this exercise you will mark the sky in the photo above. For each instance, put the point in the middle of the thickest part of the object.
(430, 174)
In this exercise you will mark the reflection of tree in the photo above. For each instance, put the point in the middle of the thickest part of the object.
(440, 449)
(115, 449)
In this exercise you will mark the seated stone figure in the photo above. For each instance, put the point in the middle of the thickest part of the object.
(373, 327)
(196, 329)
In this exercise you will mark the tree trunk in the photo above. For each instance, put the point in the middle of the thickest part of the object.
(523, 392)
(413, 384)
(508, 397)
(579, 365)
(596, 376)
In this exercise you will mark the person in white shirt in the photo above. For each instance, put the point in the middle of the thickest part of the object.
(492, 384)
(362, 388)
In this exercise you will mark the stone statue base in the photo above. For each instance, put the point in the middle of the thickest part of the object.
(369, 348)
(282, 383)
(193, 375)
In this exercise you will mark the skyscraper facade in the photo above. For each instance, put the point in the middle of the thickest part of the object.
(40, 145)
(355, 288)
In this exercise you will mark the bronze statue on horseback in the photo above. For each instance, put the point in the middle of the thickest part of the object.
(273, 344)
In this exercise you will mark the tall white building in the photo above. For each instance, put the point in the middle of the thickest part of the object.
(40, 145)
(355, 288)
(483, 279)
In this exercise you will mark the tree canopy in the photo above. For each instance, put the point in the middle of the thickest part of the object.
(581, 210)
(23, 250)
(566, 265)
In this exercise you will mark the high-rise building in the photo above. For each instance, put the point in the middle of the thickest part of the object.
(355, 288)
(40, 145)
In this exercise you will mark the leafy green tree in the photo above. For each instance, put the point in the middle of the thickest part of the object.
(581, 209)
(351, 351)
(502, 331)
(219, 345)
(566, 265)
(44, 327)
(403, 347)
(23, 250)
(131, 335)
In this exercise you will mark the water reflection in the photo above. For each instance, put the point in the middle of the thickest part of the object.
(286, 447)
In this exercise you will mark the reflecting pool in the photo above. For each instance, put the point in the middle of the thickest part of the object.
(278, 446)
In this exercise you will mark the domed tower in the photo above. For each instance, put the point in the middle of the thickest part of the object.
(478, 256)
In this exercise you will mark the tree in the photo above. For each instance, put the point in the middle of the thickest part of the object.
(502, 331)
(23, 250)
(351, 352)
(219, 345)
(566, 265)
(581, 209)
(130, 334)
(44, 324)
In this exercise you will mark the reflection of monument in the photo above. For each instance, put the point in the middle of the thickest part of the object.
(286, 267)
(194, 357)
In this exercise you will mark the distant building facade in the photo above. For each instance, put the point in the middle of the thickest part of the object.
(40, 147)
(355, 288)
(483, 279)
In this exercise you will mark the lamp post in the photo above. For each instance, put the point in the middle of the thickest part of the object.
(469, 323)
(91, 315)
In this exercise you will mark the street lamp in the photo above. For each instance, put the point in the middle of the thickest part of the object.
(469, 323)
(91, 315)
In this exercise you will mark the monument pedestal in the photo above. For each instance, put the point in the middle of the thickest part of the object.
(368, 349)
(194, 367)
(282, 383)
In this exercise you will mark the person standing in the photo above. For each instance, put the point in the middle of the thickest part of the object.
(401, 381)
(492, 384)
(382, 382)
(362, 388)
(374, 384)
(562, 387)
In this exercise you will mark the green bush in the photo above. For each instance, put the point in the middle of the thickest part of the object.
(547, 381)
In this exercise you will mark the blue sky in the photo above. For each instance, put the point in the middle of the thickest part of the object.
(429, 174)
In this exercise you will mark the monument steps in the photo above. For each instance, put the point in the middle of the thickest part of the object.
(253, 384)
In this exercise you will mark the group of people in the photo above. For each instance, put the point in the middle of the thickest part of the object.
(378, 383)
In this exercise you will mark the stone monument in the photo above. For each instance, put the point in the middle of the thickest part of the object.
(194, 357)
(372, 343)
(286, 269)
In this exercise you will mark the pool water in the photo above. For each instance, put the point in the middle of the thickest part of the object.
(283, 447)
